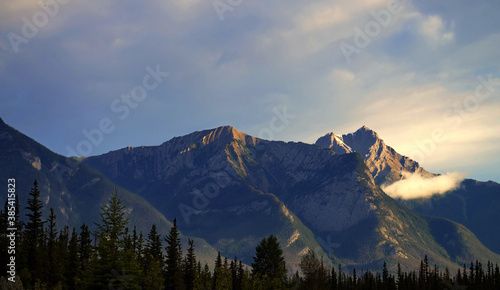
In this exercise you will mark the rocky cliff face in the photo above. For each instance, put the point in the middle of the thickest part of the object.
(233, 189)
(385, 164)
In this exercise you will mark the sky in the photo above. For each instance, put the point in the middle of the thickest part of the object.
(87, 77)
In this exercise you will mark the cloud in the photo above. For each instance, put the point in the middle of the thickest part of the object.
(260, 57)
(434, 29)
(415, 186)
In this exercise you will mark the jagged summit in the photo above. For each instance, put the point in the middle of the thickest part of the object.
(364, 128)
(334, 142)
(226, 134)
(220, 136)
(361, 140)
(385, 164)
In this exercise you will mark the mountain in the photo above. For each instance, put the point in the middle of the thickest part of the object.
(474, 204)
(72, 188)
(232, 189)
(202, 180)
(385, 164)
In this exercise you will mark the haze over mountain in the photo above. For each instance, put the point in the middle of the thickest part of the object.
(232, 189)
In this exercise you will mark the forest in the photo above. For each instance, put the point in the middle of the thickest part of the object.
(116, 257)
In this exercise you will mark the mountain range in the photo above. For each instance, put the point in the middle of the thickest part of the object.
(230, 190)
(473, 203)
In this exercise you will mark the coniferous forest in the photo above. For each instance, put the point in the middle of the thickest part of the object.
(117, 257)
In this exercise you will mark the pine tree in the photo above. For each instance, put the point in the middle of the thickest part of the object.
(153, 248)
(153, 258)
(385, 273)
(269, 260)
(239, 276)
(399, 276)
(116, 265)
(315, 273)
(54, 263)
(224, 279)
(205, 281)
(84, 247)
(333, 283)
(72, 264)
(218, 265)
(139, 249)
(34, 241)
(174, 275)
(464, 274)
(190, 266)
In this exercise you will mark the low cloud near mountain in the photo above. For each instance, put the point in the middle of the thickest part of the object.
(416, 186)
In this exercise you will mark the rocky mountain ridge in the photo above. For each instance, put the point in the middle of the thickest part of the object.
(223, 180)
(385, 164)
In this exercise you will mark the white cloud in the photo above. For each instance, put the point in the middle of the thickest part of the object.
(233, 72)
(435, 31)
(342, 76)
(322, 17)
(415, 186)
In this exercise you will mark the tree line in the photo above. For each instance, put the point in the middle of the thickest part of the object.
(115, 257)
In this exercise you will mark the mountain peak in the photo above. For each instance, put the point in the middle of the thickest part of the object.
(335, 142)
(224, 134)
(367, 131)
(385, 164)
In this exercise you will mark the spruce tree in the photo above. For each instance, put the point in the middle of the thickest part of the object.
(153, 259)
(205, 278)
(35, 236)
(173, 272)
(153, 249)
(224, 279)
(53, 262)
(315, 273)
(385, 273)
(72, 270)
(218, 265)
(84, 248)
(269, 260)
(190, 272)
(116, 265)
